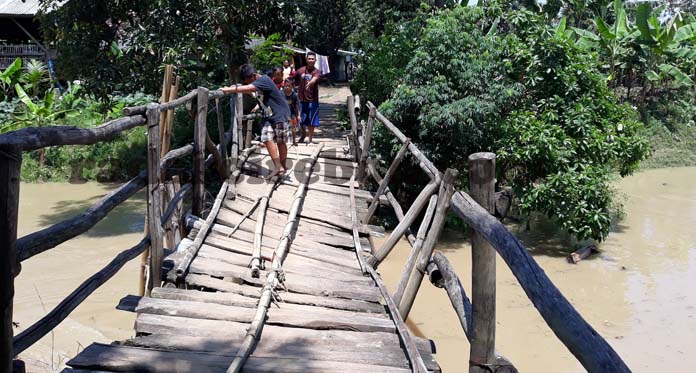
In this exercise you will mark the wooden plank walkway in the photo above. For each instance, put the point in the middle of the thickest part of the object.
(330, 317)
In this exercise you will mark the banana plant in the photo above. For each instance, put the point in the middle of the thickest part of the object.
(10, 76)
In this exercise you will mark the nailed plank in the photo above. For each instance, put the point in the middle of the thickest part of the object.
(293, 264)
(307, 318)
(133, 359)
(312, 300)
(295, 283)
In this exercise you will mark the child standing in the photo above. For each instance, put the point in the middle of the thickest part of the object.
(294, 104)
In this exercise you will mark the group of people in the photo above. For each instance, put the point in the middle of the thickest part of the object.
(284, 109)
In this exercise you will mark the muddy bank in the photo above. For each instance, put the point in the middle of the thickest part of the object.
(637, 293)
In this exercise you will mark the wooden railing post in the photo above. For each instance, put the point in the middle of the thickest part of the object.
(199, 136)
(221, 138)
(365, 151)
(426, 251)
(482, 188)
(237, 124)
(10, 165)
(154, 197)
(353, 128)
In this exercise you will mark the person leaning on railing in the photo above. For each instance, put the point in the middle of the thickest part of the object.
(276, 114)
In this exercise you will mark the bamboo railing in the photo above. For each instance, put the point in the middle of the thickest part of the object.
(160, 213)
(477, 317)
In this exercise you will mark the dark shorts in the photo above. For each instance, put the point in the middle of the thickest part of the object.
(310, 114)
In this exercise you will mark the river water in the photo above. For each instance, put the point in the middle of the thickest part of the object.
(636, 293)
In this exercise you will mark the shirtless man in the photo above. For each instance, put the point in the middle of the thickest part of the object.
(276, 114)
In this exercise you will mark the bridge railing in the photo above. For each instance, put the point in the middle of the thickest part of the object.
(489, 236)
(162, 213)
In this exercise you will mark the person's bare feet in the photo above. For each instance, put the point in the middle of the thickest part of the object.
(278, 171)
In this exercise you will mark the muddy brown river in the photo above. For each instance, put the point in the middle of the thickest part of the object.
(637, 293)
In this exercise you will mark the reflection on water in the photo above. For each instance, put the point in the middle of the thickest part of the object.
(48, 277)
(637, 293)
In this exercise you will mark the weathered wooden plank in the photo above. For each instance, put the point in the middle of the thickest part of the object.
(308, 318)
(227, 220)
(312, 300)
(133, 359)
(293, 264)
(154, 198)
(337, 340)
(295, 283)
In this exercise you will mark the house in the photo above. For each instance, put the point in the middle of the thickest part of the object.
(20, 33)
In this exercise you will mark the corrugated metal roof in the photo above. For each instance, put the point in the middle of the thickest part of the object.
(19, 8)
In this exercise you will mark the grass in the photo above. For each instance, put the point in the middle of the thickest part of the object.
(673, 146)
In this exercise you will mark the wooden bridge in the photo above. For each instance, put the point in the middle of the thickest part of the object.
(280, 275)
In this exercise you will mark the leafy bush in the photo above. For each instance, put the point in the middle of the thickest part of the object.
(266, 57)
(481, 79)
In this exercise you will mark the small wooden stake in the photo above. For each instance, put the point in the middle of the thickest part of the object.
(154, 197)
(426, 251)
(482, 188)
(199, 153)
(385, 181)
(10, 166)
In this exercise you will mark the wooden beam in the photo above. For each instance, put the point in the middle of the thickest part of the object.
(154, 197)
(199, 136)
(42, 327)
(10, 167)
(398, 211)
(404, 224)
(221, 137)
(353, 128)
(438, 224)
(385, 181)
(32, 138)
(180, 101)
(482, 189)
(415, 250)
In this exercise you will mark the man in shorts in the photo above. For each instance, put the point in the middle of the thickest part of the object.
(307, 82)
(276, 114)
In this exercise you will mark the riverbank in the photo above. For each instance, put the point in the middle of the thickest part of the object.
(635, 293)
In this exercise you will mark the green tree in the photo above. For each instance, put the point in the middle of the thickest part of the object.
(484, 79)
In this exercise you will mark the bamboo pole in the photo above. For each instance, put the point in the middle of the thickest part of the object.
(249, 133)
(154, 198)
(164, 98)
(482, 188)
(353, 128)
(199, 139)
(10, 167)
(404, 224)
(255, 263)
(254, 331)
(169, 118)
(385, 181)
(426, 251)
(415, 249)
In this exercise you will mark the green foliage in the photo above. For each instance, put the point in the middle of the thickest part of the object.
(484, 79)
(9, 78)
(266, 57)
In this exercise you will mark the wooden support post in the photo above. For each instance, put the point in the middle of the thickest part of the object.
(415, 250)
(444, 196)
(154, 197)
(164, 98)
(10, 166)
(385, 181)
(391, 199)
(404, 224)
(221, 138)
(237, 123)
(353, 128)
(365, 151)
(249, 133)
(199, 136)
(482, 188)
